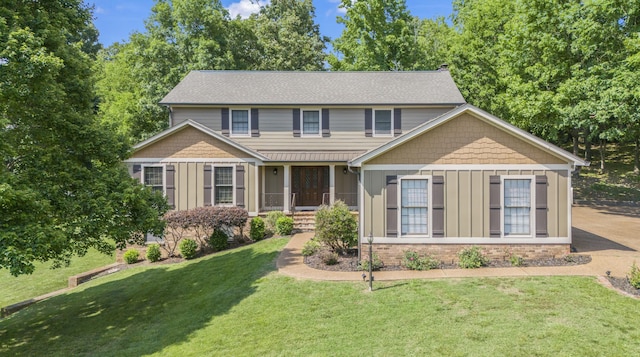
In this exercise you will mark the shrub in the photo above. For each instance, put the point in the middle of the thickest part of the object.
(270, 221)
(153, 252)
(188, 248)
(310, 247)
(413, 261)
(516, 261)
(131, 256)
(329, 258)
(177, 226)
(634, 276)
(471, 258)
(219, 240)
(377, 263)
(257, 229)
(284, 226)
(336, 227)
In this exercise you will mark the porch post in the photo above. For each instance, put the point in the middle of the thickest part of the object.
(332, 184)
(287, 190)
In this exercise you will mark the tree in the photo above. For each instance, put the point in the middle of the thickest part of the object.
(434, 41)
(63, 188)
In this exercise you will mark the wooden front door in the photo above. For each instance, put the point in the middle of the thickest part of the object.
(309, 183)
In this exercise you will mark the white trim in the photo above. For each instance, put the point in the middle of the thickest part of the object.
(243, 135)
(256, 186)
(428, 178)
(332, 184)
(569, 206)
(470, 240)
(532, 205)
(164, 176)
(373, 122)
(490, 167)
(287, 188)
(213, 186)
(188, 160)
(302, 134)
(361, 212)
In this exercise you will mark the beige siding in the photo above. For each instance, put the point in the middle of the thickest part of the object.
(275, 120)
(347, 121)
(346, 186)
(209, 117)
(412, 117)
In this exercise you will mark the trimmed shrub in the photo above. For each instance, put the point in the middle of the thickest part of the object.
(177, 226)
(329, 258)
(413, 261)
(131, 256)
(188, 248)
(336, 227)
(310, 247)
(377, 263)
(516, 261)
(153, 252)
(257, 229)
(270, 221)
(219, 240)
(284, 226)
(634, 276)
(471, 258)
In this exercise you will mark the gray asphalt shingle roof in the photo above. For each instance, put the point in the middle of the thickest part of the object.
(315, 88)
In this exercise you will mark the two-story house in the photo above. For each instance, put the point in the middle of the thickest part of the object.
(424, 169)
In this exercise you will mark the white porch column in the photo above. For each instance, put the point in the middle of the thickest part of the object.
(332, 184)
(287, 189)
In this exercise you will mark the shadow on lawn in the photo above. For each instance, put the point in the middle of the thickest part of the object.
(140, 314)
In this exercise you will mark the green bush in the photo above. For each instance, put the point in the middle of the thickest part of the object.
(377, 263)
(310, 247)
(257, 229)
(270, 221)
(516, 261)
(131, 256)
(218, 240)
(153, 252)
(188, 248)
(471, 258)
(634, 276)
(413, 261)
(336, 227)
(284, 226)
(329, 258)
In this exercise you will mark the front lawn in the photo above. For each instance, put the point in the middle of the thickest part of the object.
(235, 304)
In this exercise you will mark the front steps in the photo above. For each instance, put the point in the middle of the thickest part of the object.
(304, 221)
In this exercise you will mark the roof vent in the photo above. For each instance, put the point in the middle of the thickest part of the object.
(443, 67)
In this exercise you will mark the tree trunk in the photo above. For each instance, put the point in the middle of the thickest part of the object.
(587, 145)
(636, 157)
(602, 149)
(574, 135)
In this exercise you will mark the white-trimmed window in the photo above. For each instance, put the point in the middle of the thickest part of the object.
(240, 122)
(414, 205)
(223, 185)
(517, 198)
(383, 122)
(310, 122)
(153, 176)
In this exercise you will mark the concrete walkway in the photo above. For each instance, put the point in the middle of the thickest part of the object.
(611, 235)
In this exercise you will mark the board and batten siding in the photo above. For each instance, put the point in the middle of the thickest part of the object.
(466, 200)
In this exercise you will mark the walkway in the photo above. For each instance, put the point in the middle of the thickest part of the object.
(609, 234)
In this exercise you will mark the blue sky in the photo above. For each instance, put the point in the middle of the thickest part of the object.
(117, 19)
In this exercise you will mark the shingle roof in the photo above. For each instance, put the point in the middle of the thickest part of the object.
(315, 88)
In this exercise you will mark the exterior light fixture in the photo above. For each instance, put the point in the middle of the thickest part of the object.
(344, 171)
(275, 171)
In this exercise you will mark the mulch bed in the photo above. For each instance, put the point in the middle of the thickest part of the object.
(623, 284)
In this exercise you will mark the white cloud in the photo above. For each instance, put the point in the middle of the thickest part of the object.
(341, 10)
(245, 8)
(100, 10)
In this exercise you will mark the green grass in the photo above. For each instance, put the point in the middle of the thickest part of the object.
(235, 304)
(45, 280)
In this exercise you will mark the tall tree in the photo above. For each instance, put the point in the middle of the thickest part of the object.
(434, 42)
(63, 188)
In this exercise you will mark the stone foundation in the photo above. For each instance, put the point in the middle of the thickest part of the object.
(392, 254)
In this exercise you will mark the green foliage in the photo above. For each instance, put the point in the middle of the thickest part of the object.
(188, 248)
(310, 247)
(471, 258)
(516, 260)
(271, 219)
(329, 258)
(634, 276)
(257, 229)
(131, 256)
(413, 261)
(284, 226)
(336, 227)
(377, 263)
(219, 240)
(153, 252)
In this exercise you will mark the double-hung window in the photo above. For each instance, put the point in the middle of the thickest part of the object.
(414, 206)
(517, 206)
(223, 185)
(310, 123)
(240, 122)
(383, 122)
(153, 177)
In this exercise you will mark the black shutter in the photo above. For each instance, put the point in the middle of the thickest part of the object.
(325, 123)
(368, 122)
(392, 206)
(137, 172)
(437, 204)
(397, 121)
(494, 206)
(541, 206)
(255, 130)
(171, 186)
(240, 186)
(296, 122)
(225, 121)
(207, 185)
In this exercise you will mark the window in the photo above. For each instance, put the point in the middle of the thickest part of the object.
(223, 185)
(240, 122)
(517, 206)
(414, 198)
(382, 123)
(311, 123)
(153, 177)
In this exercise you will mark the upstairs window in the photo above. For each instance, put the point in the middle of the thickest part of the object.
(223, 185)
(382, 122)
(153, 177)
(240, 122)
(310, 123)
(517, 207)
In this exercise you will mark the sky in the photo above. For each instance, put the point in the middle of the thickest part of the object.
(117, 19)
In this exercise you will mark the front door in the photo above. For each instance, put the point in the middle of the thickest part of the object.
(309, 183)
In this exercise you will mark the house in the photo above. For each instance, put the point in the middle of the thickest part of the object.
(425, 170)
